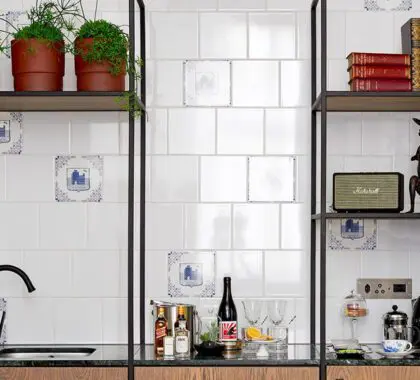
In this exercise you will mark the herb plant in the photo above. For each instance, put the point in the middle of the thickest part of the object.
(49, 22)
(212, 333)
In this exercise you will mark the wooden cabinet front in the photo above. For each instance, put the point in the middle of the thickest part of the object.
(85, 373)
(226, 373)
(373, 373)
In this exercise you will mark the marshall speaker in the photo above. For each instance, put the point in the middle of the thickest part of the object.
(368, 192)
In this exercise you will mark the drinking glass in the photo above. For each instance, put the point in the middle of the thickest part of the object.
(254, 312)
(277, 311)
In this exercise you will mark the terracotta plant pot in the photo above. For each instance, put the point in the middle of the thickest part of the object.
(96, 76)
(37, 65)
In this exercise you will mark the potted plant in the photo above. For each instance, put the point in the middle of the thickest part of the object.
(209, 345)
(101, 50)
(38, 49)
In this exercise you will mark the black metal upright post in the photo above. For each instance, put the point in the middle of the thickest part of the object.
(143, 176)
(323, 256)
(313, 179)
(131, 174)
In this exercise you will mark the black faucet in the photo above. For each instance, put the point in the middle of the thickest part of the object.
(26, 280)
(21, 273)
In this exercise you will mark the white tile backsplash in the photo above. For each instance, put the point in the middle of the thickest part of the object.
(231, 28)
(255, 83)
(18, 181)
(62, 226)
(217, 139)
(174, 179)
(223, 179)
(192, 131)
(256, 226)
(240, 131)
(272, 35)
(207, 226)
(174, 35)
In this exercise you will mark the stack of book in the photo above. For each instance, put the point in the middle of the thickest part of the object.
(410, 38)
(379, 72)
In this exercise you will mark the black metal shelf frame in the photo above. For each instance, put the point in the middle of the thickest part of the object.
(408, 102)
(323, 158)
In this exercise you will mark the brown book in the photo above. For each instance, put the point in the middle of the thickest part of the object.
(379, 85)
(378, 59)
(410, 39)
(380, 72)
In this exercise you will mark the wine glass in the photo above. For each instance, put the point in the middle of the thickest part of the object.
(253, 312)
(277, 311)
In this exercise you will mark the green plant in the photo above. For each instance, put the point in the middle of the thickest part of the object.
(212, 333)
(49, 22)
(110, 44)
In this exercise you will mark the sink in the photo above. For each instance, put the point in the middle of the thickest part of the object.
(46, 353)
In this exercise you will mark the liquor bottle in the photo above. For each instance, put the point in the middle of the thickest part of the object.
(182, 335)
(161, 330)
(227, 317)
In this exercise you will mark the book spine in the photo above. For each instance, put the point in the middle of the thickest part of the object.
(380, 85)
(380, 59)
(410, 38)
(380, 72)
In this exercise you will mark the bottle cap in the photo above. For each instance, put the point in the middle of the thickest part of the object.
(161, 310)
(181, 310)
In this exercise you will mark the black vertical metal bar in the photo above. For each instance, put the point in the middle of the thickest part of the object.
(131, 174)
(143, 178)
(323, 188)
(313, 181)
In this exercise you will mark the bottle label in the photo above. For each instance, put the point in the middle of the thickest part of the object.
(160, 332)
(181, 344)
(228, 331)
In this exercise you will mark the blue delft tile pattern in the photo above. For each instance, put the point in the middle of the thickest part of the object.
(3, 308)
(388, 5)
(78, 178)
(15, 18)
(191, 274)
(11, 132)
(358, 234)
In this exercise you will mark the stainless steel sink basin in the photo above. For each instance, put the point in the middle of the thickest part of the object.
(46, 353)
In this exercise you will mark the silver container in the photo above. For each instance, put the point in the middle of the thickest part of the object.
(395, 325)
(171, 315)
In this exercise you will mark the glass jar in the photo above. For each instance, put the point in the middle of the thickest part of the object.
(355, 305)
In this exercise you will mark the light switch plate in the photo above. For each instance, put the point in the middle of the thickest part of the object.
(385, 288)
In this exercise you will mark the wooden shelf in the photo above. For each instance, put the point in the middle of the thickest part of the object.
(348, 101)
(367, 215)
(11, 101)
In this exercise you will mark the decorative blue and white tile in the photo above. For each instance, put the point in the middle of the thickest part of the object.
(388, 5)
(191, 274)
(207, 83)
(8, 22)
(358, 234)
(11, 132)
(3, 329)
(78, 178)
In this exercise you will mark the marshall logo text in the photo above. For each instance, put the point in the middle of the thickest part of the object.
(363, 190)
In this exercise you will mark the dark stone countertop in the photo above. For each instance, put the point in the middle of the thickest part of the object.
(296, 355)
(372, 358)
(104, 356)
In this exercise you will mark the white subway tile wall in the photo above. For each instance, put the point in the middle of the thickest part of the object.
(228, 170)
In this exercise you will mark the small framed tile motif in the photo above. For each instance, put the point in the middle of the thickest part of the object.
(207, 83)
(78, 178)
(191, 274)
(358, 234)
(388, 5)
(11, 132)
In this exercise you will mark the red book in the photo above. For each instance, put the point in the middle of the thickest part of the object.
(380, 72)
(380, 85)
(378, 59)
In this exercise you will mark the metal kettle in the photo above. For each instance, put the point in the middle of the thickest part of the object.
(415, 323)
(395, 324)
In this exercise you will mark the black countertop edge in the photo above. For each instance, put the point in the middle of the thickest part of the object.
(217, 362)
(63, 363)
(374, 362)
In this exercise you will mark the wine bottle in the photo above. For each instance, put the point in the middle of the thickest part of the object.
(227, 316)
